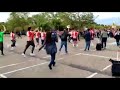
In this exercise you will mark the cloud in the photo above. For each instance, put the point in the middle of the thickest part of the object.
(4, 16)
(106, 15)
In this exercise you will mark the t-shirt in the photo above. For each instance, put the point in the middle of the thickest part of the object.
(29, 35)
(12, 36)
(64, 36)
(1, 36)
(32, 35)
(43, 35)
(75, 34)
(37, 34)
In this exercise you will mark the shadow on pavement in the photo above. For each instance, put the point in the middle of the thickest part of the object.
(88, 69)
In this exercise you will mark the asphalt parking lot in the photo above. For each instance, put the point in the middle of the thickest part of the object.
(76, 64)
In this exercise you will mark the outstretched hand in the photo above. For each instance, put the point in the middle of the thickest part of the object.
(4, 28)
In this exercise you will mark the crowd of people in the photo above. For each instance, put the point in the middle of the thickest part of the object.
(50, 37)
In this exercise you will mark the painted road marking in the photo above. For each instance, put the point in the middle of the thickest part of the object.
(92, 75)
(94, 55)
(26, 67)
(3, 76)
(103, 68)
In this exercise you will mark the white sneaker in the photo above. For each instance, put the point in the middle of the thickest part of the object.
(77, 45)
(23, 54)
(8, 45)
(12, 48)
(73, 45)
(32, 54)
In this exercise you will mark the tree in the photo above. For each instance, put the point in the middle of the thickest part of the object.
(17, 19)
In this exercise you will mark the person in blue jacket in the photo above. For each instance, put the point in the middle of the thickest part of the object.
(87, 37)
(50, 46)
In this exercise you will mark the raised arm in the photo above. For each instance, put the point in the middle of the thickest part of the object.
(4, 28)
(36, 29)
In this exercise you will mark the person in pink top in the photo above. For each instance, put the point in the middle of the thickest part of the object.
(13, 39)
(75, 38)
(92, 33)
(43, 36)
(37, 36)
(70, 36)
(30, 41)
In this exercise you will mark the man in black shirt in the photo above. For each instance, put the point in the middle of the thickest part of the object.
(63, 38)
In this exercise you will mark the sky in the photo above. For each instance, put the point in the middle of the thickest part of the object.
(102, 15)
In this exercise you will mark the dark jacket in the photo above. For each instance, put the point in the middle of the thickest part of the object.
(65, 35)
(117, 36)
(87, 36)
(51, 47)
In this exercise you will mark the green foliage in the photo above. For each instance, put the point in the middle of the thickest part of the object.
(51, 20)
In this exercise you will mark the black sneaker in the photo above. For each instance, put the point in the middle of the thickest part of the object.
(50, 67)
(54, 63)
(66, 52)
(3, 54)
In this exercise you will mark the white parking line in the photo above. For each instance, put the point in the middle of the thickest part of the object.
(26, 67)
(48, 62)
(14, 64)
(92, 75)
(103, 68)
(3, 76)
(22, 62)
(94, 55)
(97, 73)
(106, 67)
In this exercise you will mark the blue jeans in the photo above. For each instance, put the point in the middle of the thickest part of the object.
(65, 44)
(52, 58)
(87, 45)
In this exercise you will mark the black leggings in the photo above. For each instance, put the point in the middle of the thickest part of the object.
(42, 41)
(104, 40)
(28, 44)
(37, 40)
(1, 47)
(52, 58)
(13, 43)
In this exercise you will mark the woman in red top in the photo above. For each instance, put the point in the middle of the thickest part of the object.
(13, 39)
